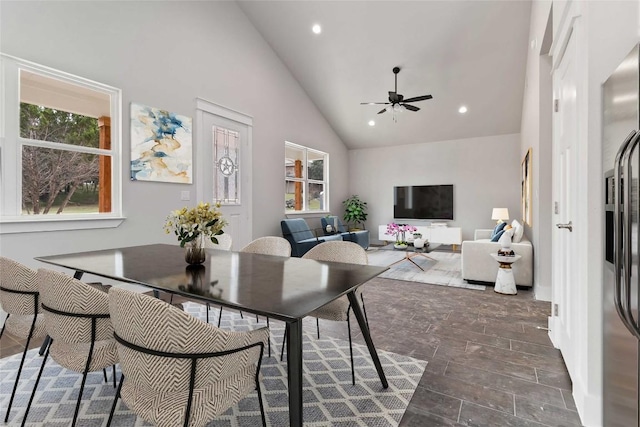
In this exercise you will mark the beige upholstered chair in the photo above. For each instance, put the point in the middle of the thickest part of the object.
(172, 362)
(225, 242)
(77, 320)
(20, 298)
(339, 309)
(269, 245)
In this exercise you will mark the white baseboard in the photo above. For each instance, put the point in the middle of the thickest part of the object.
(542, 293)
(589, 405)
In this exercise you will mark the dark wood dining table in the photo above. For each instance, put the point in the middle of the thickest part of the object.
(283, 288)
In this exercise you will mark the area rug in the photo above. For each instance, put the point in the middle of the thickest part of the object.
(444, 269)
(329, 397)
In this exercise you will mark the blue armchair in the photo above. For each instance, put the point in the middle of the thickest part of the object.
(301, 237)
(360, 237)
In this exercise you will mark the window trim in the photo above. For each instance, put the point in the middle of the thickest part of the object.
(306, 180)
(11, 144)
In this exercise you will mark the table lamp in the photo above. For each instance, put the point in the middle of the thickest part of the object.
(500, 214)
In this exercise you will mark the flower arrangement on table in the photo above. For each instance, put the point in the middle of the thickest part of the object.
(399, 231)
(190, 224)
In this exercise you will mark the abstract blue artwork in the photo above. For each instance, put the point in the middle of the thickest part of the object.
(161, 145)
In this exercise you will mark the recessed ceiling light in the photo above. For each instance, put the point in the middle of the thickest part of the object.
(317, 29)
(372, 123)
(462, 110)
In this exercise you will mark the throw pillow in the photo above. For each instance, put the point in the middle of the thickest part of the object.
(498, 228)
(497, 236)
(519, 231)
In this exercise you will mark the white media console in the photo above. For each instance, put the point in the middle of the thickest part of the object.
(435, 234)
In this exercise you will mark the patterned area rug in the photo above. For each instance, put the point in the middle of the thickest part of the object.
(443, 269)
(329, 398)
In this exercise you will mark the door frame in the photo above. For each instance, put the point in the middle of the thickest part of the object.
(203, 107)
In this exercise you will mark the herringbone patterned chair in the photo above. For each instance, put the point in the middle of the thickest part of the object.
(339, 309)
(178, 370)
(77, 320)
(20, 298)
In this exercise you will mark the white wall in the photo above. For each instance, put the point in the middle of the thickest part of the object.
(485, 173)
(165, 54)
(536, 134)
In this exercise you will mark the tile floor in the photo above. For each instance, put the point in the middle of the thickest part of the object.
(489, 365)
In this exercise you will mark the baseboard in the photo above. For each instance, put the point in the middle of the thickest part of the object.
(589, 405)
(542, 293)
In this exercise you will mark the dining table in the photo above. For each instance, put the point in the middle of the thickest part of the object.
(282, 288)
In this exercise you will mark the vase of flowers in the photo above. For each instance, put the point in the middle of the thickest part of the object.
(193, 226)
(400, 231)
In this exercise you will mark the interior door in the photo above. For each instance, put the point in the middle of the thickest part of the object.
(565, 287)
(224, 160)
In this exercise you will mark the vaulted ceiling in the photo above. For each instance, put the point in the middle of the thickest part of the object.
(470, 53)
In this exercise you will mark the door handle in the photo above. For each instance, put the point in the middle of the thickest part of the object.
(568, 226)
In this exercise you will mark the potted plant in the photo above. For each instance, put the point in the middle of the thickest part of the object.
(355, 211)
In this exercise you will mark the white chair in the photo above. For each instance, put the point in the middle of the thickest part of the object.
(339, 309)
(225, 242)
(176, 369)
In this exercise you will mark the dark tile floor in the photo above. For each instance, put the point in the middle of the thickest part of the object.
(488, 364)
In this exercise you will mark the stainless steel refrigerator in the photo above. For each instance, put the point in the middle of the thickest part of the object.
(621, 145)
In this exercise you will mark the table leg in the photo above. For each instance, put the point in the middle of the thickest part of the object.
(47, 339)
(294, 374)
(357, 310)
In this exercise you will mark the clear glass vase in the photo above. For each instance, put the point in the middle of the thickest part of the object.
(194, 251)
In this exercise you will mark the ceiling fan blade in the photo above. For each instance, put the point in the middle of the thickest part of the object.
(393, 97)
(410, 107)
(419, 98)
(382, 111)
(375, 103)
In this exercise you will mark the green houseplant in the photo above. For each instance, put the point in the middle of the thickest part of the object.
(355, 211)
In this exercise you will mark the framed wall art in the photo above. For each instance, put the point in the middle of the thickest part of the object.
(527, 190)
(161, 145)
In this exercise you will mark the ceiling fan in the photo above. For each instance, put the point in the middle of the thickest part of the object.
(397, 102)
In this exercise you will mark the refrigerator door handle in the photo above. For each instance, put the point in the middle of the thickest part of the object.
(618, 253)
(627, 237)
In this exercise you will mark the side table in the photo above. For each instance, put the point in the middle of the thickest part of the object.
(505, 283)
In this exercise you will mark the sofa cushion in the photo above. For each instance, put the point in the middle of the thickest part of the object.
(518, 231)
(498, 228)
(497, 236)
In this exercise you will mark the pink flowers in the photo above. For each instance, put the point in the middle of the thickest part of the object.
(399, 231)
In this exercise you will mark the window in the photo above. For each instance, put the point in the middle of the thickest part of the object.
(226, 156)
(305, 173)
(60, 143)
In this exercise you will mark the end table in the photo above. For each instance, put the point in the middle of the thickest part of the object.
(505, 282)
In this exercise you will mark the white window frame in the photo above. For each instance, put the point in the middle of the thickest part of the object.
(306, 180)
(11, 218)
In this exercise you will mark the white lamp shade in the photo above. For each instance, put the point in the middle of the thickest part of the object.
(500, 214)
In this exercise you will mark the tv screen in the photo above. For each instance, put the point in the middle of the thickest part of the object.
(423, 202)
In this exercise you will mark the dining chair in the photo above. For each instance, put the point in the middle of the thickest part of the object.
(340, 308)
(20, 299)
(76, 317)
(268, 245)
(177, 369)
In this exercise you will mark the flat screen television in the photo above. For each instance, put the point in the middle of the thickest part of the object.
(423, 202)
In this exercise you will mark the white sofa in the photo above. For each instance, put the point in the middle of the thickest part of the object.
(478, 265)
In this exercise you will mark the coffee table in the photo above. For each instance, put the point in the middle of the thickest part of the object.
(412, 251)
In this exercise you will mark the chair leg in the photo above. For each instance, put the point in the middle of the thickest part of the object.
(4, 324)
(264, 420)
(241, 316)
(284, 341)
(353, 372)
(24, 354)
(318, 326)
(257, 319)
(35, 386)
(220, 317)
(104, 372)
(84, 379)
(269, 337)
(208, 308)
(114, 376)
(115, 401)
